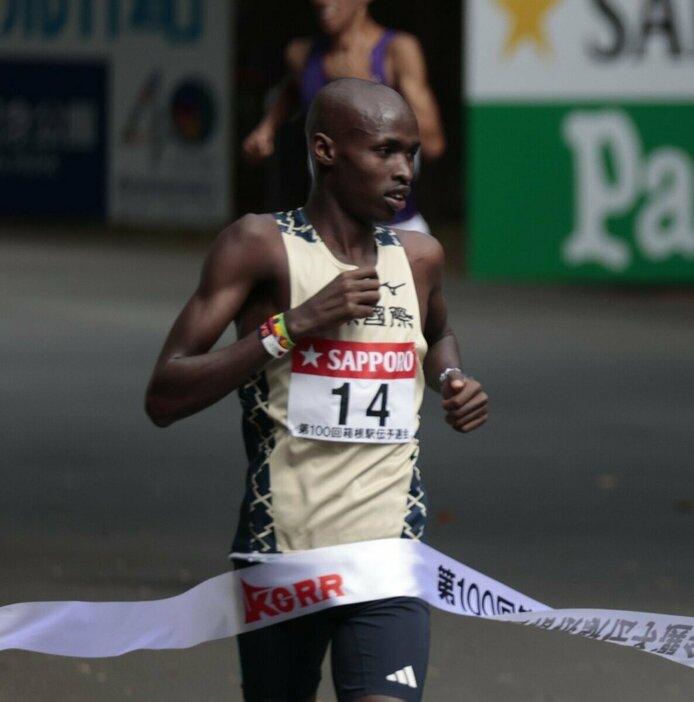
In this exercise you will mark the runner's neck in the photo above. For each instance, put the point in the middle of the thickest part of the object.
(363, 32)
(349, 240)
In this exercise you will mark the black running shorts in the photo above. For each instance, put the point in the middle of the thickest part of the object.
(377, 648)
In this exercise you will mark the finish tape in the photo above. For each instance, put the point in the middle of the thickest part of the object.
(289, 585)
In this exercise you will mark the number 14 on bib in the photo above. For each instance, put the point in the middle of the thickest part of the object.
(353, 391)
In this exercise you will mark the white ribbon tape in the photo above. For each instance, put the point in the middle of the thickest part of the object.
(294, 584)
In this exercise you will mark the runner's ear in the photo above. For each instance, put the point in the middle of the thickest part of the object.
(323, 149)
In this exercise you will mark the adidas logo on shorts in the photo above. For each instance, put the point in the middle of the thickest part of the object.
(404, 676)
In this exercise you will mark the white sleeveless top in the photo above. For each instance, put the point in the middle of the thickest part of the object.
(330, 428)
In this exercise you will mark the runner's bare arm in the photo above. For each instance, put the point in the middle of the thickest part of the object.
(260, 143)
(188, 376)
(464, 400)
(410, 75)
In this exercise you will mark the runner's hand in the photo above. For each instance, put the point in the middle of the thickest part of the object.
(351, 295)
(464, 401)
(259, 144)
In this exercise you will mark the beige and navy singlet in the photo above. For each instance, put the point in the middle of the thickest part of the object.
(330, 429)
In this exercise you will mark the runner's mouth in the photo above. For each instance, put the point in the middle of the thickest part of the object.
(396, 200)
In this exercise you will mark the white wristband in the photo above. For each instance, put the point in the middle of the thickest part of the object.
(272, 346)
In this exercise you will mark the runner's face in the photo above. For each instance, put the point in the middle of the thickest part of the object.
(375, 164)
(336, 15)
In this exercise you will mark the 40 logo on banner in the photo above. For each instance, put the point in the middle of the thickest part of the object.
(352, 391)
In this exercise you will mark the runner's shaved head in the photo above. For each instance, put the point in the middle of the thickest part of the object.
(349, 104)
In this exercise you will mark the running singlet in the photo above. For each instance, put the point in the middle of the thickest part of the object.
(330, 428)
(313, 78)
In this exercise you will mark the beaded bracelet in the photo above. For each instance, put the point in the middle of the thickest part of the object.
(443, 377)
(274, 336)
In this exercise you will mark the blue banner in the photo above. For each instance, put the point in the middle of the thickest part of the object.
(53, 138)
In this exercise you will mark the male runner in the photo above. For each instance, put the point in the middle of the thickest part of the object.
(340, 323)
(353, 45)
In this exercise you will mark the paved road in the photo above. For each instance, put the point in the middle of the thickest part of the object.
(579, 492)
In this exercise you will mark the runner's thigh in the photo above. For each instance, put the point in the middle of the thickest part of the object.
(381, 648)
(282, 662)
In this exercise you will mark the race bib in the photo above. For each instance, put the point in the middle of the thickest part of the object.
(353, 391)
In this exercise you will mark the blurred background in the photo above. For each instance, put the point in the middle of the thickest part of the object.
(565, 201)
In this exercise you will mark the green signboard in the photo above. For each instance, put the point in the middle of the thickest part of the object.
(580, 142)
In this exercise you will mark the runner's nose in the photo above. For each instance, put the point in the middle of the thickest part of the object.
(403, 169)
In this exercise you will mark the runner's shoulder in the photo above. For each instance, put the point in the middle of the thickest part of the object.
(404, 41)
(406, 46)
(251, 229)
(422, 250)
(252, 243)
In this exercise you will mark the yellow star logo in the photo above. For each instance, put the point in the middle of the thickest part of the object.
(527, 18)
